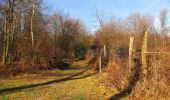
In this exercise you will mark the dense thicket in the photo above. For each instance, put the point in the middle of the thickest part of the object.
(29, 38)
(115, 36)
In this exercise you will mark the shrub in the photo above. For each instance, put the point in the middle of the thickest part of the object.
(123, 51)
(80, 51)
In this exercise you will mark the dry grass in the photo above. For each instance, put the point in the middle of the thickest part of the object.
(156, 86)
(84, 86)
(116, 74)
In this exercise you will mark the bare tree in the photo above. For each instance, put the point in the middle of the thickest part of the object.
(32, 33)
(163, 25)
(8, 29)
(139, 23)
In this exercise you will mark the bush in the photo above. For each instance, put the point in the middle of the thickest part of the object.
(80, 51)
(123, 51)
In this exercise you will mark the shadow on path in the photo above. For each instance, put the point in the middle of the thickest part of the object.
(132, 82)
(20, 88)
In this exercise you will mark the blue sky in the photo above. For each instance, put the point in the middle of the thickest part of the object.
(85, 9)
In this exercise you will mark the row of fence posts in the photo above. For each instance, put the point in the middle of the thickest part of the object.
(131, 46)
(143, 51)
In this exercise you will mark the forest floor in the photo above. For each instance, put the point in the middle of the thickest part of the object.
(76, 83)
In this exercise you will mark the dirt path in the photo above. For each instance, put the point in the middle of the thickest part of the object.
(76, 83)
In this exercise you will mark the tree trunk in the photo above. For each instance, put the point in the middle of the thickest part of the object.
(32, 33)
(4, 41)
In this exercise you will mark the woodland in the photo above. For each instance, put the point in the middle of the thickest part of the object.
(56, 57)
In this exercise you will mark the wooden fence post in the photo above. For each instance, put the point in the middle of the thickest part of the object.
(143, 54)
(104, 48)
(100, 64)
(131, 43)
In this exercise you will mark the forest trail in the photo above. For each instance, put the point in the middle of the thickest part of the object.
(76, 83)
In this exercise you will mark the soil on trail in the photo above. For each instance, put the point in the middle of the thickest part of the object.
(76, 83)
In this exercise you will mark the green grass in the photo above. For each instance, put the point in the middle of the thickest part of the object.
(84, 86)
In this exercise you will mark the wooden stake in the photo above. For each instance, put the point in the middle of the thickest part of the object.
(104, 48)
(100, 64)
(131, 43)
(143, 53)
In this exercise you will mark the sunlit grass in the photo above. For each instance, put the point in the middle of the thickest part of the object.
(76, 88)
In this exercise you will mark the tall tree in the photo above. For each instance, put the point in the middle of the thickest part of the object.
(163, 25)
